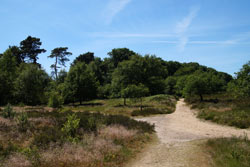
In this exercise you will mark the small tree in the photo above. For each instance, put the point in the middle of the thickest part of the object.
(204, 83)
(60, 55)
(70, 127)
(55, 100)
(22, 122)
(134, 91)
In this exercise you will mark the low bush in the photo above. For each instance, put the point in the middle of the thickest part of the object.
(230, 152)
(237, 118)
(150, 111)
(8, 112)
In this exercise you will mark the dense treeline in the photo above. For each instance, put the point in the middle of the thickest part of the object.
(123, 74)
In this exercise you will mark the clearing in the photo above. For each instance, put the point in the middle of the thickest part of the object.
(181, 138)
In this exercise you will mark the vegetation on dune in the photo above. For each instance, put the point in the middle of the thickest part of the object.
(231, 107)
(230, 152)
(42, 138)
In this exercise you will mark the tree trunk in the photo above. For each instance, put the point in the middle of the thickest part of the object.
(201, 97)
(124, 101)
(56, 68)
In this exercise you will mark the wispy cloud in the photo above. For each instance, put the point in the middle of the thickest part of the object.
(225, 42)
(113, 8)
(183, 25)
(131, 35)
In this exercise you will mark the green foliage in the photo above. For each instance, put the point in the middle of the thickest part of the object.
(240, 87)
(31, 85)
(84, 58)
(8, 112)
(55, 100)
(203, 83)
(230, 152)
(8, 74)
(133, 91)
(23, 122)
(119, 55)
(147, 70)
(70, 127)
(80, 83)
(170, 83)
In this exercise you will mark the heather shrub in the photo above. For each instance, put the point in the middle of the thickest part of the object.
(47, 136)
(17, 160)
(32, 155)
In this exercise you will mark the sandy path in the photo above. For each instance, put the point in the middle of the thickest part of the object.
(181, 137)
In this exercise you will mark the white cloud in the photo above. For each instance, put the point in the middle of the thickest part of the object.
(183, 25)
(113, 8)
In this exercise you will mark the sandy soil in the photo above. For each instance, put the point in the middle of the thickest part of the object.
(181, 138)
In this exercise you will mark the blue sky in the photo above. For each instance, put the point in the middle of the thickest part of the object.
(215, 33)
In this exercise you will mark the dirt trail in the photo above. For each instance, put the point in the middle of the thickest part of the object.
(181, 140)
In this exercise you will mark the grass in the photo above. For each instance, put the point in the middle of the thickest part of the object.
(223, 109)
(230, 152)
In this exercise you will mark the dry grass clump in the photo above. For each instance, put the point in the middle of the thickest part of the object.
(92, 150)
(42, 121)
(80, 154)
(17, 160)
(117, 132)
(7, 122)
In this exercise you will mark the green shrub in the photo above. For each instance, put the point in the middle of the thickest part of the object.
(55, 100)
(22, 122)
(8, 112)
